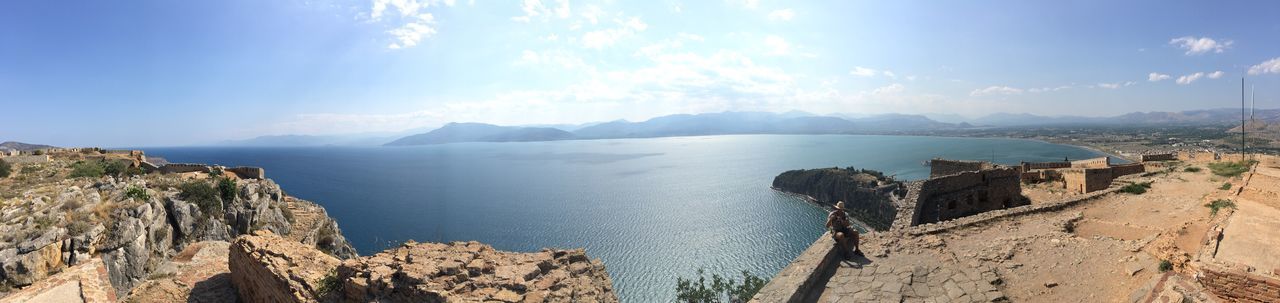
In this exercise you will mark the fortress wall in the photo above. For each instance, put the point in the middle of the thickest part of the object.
(1157, 157)
(1028, 166)
(174, 168)
(1197, 156)
(965, 194)
(804, 275)
(247, 172)
(1127, 169)
(930, 228)
(1085, 180)
(1099, 162)
(26, 159)
(1239, 285)
(942, 167)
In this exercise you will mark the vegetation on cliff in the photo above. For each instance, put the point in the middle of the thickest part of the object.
(866, 193)
(721, 289)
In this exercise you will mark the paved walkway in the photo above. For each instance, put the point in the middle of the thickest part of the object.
(1250, 235)
(874, 282)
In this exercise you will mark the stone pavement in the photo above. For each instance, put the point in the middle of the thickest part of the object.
(854, 282)
(87, 282)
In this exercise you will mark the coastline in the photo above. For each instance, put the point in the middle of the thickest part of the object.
(858, 224)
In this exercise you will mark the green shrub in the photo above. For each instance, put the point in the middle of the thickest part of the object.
(1219, 204)
(5, 169)
(1231, 169)
(227, 188)
(30, 169)
(1192, 169)
(1136, 188)
(137, 193)
(328, 285)
(721, 289)
(1165, 265)
(204, 196)
(91, 169)
(113, 168)
(1225, 186)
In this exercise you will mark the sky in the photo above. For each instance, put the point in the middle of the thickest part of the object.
(155, 73)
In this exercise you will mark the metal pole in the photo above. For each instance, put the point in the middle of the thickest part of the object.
(1243, 145)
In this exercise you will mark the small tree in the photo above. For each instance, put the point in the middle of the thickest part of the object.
(227, 189)
(203, 195)
(721, 289)
(93, 169)
(113, 168)
(5, 169)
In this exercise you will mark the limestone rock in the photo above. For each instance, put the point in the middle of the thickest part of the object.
(470, 271)
(269, 268)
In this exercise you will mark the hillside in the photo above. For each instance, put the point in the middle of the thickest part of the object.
(480, 132)
(23, 146)
(866, 193)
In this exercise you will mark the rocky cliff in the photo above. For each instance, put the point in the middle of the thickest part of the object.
(49, 221)
(867, 194)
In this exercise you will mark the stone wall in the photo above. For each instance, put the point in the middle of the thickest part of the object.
(268, 268)
(1085, 180)
(931, 228)
(808, 271)
(942, 167)
(1099, 162)
(1197, 156)
(965, 194)
(1157, 157)
(176, 168)
(26, 159)
(1127, 169)
(1239, 285)
(1028, 166)
(247, 172)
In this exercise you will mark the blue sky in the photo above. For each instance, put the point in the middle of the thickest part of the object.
(136, 73)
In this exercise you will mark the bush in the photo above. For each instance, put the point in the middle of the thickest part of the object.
(137, 193)
(1219, 204)
(227, 188)
(113, 168)
(1231, 169)
(1165, 265)
(1225, 186)
(721, 290)
(328, 285)
(5, 169)
(203, 195)
(30, 169)
(92, 169)
(1192, 169)
(1136, 188)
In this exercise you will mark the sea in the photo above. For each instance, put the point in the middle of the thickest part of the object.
(652, 209)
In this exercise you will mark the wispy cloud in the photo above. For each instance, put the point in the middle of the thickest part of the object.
(1266, 67)
(996, 90)
(1215, 75)
(414, 22)
(1201, 45)
(1188, 79)
(1157, 77)
(782, 15)
(600, 39)
(536, 9)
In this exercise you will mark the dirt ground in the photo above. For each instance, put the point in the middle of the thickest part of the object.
(1103, 250)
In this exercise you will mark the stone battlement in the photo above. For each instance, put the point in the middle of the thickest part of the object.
(942, 167)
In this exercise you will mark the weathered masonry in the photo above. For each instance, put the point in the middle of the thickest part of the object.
(1157, 157)
(962, 194)
(243, 172)
(942, 167)
(1084, 180)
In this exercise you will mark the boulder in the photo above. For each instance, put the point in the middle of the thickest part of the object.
(268, 268)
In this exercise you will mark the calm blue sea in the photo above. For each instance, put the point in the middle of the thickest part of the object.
(652, 209)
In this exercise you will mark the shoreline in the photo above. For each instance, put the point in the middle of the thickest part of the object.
(863, 227)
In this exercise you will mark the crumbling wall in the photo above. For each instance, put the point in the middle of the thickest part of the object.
(1157, 157)
(247, 172)
(1028, 166)
(942, 167)
(1099, 162)
(1127, 169)
(1084, 180)
(26, 159)
(965, 194)
(1197, 156)
(175, 168)
(1239, 285)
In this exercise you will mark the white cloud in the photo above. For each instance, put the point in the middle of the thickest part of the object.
(409, 34)
(1156, 77)
(890, 74)
(592, 13)
(747, 4)
(782, 15)
(1196, 46)
(559, 58)
(415, 22)
(777, 45)
(996, 90)
(600, 39)
(862, 71)
(1187, 79)
(1109, 85)
(1215, 75)
(536, 9)
(888, 89)
(1267, 67)
(1048, 89)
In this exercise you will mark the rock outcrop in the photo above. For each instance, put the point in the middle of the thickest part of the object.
(474, 272)
(268, 268)
(868, 194)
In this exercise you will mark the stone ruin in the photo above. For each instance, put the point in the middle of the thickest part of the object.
(1080, 176)
(960, 194)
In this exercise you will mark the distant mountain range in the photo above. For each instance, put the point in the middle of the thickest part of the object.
(794, 122)
(13, 145)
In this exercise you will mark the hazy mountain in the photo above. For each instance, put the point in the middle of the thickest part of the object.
(480, 132)
(759, 123)
(1191, 117)
(312, 140)
(23, 146)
